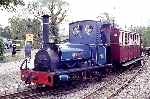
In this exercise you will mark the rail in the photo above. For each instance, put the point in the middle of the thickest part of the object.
(124, 85)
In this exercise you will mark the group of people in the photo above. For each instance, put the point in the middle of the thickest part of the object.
(27, 50)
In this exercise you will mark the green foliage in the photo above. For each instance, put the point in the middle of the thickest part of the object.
(5, 32)
(146, 37)
(19, 27)
(144, 33)
(1, 49)
(36, 30)
(56, 9)
(8, 4)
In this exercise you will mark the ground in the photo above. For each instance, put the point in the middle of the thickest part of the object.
(138, 89)
(10, 72)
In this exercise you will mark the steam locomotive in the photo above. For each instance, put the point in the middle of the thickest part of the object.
(92, 45)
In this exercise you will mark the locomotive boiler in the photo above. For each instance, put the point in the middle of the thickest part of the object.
(92, 45)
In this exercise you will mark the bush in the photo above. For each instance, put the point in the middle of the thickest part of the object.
(1, 50)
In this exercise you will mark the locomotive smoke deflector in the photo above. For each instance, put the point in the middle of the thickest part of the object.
(45, 29)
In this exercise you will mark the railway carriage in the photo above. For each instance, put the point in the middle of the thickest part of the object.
(92, 45)
(125, 46)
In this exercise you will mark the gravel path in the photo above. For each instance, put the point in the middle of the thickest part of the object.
(10, 75)
(139, 88)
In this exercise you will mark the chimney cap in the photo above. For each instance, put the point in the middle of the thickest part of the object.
(46, 15)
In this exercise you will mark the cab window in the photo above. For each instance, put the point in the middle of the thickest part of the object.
(126, 38)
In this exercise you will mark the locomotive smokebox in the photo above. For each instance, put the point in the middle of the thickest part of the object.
(45, 30)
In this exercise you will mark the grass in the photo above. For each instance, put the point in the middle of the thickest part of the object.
(10, 58)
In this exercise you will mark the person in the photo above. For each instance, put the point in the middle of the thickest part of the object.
(28, 49)
(13, 50)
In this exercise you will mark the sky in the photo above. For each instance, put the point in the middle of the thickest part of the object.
(126, 12)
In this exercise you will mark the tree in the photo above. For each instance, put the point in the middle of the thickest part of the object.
(57, 11)
(138, 29)
(146, 37)
(7, 4)
(6, 32)
(36, 30)
(17, 27)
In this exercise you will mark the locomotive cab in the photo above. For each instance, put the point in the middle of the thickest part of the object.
(96, 34)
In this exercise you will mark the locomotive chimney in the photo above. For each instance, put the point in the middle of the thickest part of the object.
(45, 29)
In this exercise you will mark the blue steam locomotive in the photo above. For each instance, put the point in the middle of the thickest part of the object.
(87, 44)
(88, 50)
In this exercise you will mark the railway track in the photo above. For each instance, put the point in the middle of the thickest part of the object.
(33, 93)
(105, 88)
(36, 94)
(124, 85)
(26, 93)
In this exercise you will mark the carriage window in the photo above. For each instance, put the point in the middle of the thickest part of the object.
(122, 36)
(131, 36)
(135, 37)
(126, 38)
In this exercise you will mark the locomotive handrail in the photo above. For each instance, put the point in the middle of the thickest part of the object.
(24, 62)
